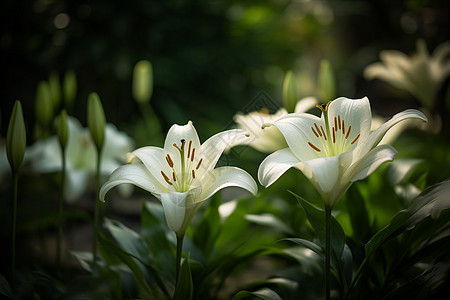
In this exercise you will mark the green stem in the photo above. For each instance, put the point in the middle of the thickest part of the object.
(13, 243)
(96, 209)
(327, 251)
(178, 260)
(60, 209)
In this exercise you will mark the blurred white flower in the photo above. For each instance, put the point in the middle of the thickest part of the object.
(419, 74)
(45, 156)
(269, 139)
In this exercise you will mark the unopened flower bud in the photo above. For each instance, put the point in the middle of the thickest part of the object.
(16, 139)
(143, 81)
(62, 129)
(96, 119)
(290, 92)
(327, 83)
(70, 88)
(55, 90)
(44, 104)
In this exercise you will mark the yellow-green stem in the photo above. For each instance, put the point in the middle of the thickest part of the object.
(96, 208)
(60, 209)
(13, 243)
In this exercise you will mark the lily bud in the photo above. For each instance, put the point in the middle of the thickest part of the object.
(55, 89)
(62, 129)
(16, 139)
(70, 88)
(96, 119)
(143, 81)
(327, 83)
(290, 92)
(44, 104)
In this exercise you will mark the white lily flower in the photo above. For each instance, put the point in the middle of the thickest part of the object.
(421, 74)
(269, 139)
(45, 156)
(182, 174)
(335, 150)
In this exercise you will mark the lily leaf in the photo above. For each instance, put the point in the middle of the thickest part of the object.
(185, 288)
(316, 218)
(269, 220)
(5, 288)
(431, 202)
(264, 293)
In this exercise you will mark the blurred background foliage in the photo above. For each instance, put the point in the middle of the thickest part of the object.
(210, 58)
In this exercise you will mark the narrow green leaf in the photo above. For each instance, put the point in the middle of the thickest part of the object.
(185, 288)
(316, 218)
(264, 293)
(429, 203)
(5, 288)
(307, 244)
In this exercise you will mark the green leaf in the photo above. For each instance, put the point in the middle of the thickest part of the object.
(185, 288)
(264, 293)
(316, 218)
(307, 244)
(271, 221)
(429, 203)
(5, 288)
(154, 233)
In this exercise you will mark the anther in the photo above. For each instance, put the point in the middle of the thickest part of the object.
(193, 174)
(357, 137)
(339, 121)
(314, 132)
(323, 131)
(334, 135)
(318, 130)
(169, 161)
(343, 127)
(348, 132)
(166, 178)
(335, 123)
(314, 147)
(193, 153)
(189, 149)
(199, 162)
(173, 176)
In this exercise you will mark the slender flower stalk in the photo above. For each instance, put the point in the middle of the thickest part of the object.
(96, 124)
(327, 251)
(182, 174)
(62, 137)
(15, 150)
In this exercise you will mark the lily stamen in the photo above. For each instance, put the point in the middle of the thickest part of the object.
(348, 132)
(314, 131)
(314, 147)
(357, 137)
(199, 162)
(166, 178)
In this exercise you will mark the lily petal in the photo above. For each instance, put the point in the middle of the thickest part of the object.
(370, 162)
(212, 148)
(179, 209)
(325, 172)
(275, 165)
(175, 135)
(305, 104)
(136, 174)
(377, 135)
(297, 129)
(153, 160)
(355, 112)
(222, 177)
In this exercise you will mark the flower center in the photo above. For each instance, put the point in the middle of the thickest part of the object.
(337, 140)
(182, 182)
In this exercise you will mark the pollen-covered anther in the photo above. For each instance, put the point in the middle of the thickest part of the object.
(189, 149)
(193, 153)
(315, 133)
(167, 179)
(313, 146)
(348, 131)
(169, 161)
(199, 163)
(193, 174)
(356, 138)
